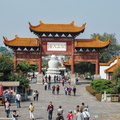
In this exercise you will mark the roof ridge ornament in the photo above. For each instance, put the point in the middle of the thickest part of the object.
(41, 22)
(96, 37)
(29, 23)
(5, 38)
(16, 36)
(84, 24)
(108, 39)
(72, 23)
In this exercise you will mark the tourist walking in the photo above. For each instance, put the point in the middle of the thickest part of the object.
(43, 81)
(66, 90)
(76, 81)
(37, 95)
(58, 89)
(45, 85)
(53, 89)
(7, 108)
(18, 99)
(50, 109)
(86, 108)
(86, 114)
(49, 85)
(69, 90)
(79, 115)
(59, 117)
(34, 95)
(46, 78)
(63, 81)
(60, 110)
(82, 107)
(49, 78)
(31, 110)
(70, 116)
(74, 91)
(15, 115)
(69, 81)
(54, 79)
(77, 107)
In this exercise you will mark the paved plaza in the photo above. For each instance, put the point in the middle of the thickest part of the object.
(104, 110)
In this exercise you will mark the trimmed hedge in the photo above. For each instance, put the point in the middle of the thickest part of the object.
(101, 84)
(92, 91)
(98, 96)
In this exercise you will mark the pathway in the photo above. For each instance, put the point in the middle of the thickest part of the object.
(103, 109)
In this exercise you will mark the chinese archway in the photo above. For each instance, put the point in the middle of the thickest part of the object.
(57, 39)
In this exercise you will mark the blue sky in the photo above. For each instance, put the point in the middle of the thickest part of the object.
(100, 16)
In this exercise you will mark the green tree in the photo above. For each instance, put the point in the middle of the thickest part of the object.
(7, 74)
(6, 67)
(24, 67)
(116, 79)
(85, 67)
(6, 52)
(21, 78)
(112, 50)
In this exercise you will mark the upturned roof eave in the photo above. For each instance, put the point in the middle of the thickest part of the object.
(57, 28)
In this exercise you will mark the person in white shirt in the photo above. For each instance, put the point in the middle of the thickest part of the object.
(18, 98)
(86, 114)
(79, 115)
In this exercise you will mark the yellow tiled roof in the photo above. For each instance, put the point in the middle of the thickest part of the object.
(33, 42)
(42, 27)
(91, 43)
(107, 64)
(112, 68)
(17, 41)
(67, 62)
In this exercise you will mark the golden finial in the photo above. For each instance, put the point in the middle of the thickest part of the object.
(16, 36)
(108, 39)
(84, 25)
(97, 37)
(41, 22)
(29, 23)
(72, 23)
(5, 38)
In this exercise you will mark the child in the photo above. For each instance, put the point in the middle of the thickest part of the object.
(15, 115)
(70, 115)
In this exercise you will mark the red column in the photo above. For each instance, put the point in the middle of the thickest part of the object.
(39, 63)
(72, 64)
(15, 61)
(72, 57)
(97, 66)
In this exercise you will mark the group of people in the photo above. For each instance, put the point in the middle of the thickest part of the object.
(8, 95)
(35, 95)
(57, 88)
(68, 90)
(80, 113)
(7, 105)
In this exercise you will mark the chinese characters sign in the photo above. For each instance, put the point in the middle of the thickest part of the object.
(56, 46)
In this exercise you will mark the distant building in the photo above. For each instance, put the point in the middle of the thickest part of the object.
(107, 69)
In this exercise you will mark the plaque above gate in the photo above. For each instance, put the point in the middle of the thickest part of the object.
(56, 46)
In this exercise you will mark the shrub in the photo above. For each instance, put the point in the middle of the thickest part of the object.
(100, 84)
(108, 91)
(92, 91)
(98, 96)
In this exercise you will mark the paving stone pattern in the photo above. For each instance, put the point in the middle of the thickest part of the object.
(104, 110)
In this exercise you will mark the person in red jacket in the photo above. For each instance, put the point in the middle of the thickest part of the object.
(50, 109)
(70, 116)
